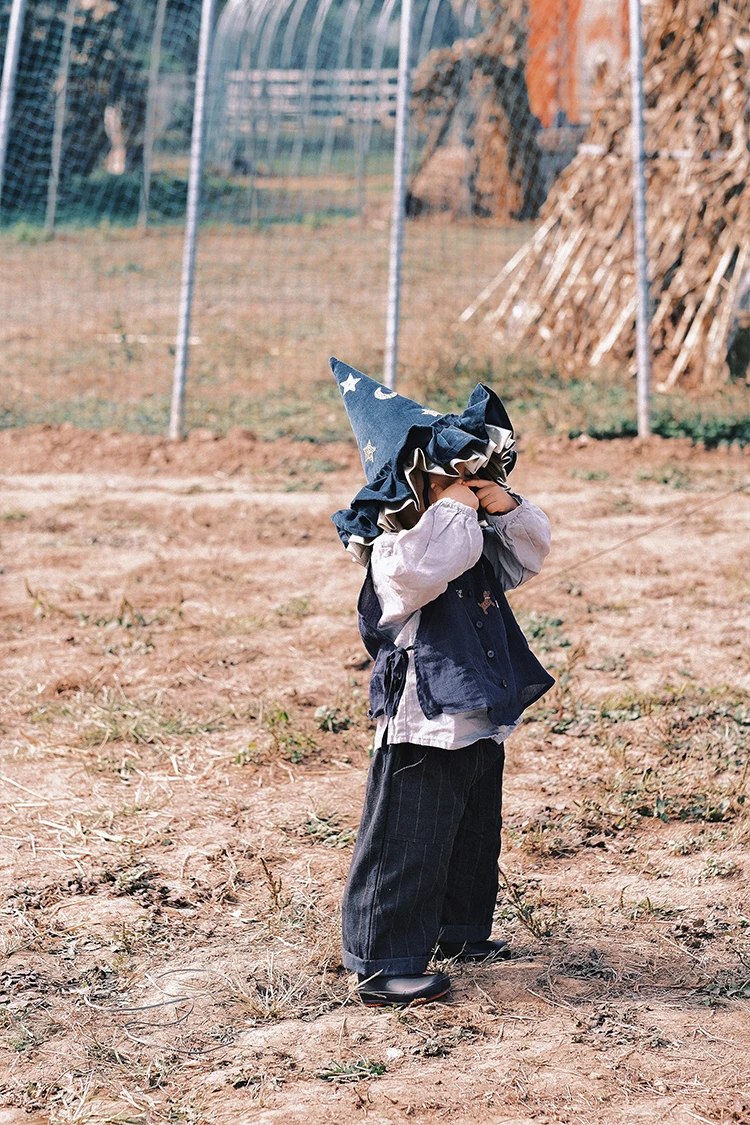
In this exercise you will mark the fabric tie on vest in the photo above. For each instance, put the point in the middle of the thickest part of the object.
(394, 679)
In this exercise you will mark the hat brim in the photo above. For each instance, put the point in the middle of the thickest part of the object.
(482, 438)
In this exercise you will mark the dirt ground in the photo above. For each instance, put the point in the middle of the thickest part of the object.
(184, 751)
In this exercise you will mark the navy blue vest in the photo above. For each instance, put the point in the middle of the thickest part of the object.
(469, 653)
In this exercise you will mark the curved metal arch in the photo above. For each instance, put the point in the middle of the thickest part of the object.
(259, 35)
(347, 30)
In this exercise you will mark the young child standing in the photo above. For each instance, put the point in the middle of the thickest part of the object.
(442, 539)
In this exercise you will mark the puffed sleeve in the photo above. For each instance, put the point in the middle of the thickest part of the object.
(413, 567)
(517, 543)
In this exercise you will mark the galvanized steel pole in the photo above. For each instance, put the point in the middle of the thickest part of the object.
(191, 221)
(400, 160)
(7, 89)
(643, 311)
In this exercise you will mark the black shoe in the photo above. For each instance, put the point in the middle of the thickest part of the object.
(473, 951)
(384, 992)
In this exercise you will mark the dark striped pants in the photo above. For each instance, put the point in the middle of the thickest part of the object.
(425, 862)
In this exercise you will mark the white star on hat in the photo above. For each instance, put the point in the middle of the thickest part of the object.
(349, 384)
(369, 451)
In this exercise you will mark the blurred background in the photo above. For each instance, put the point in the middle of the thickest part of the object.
(514, 104)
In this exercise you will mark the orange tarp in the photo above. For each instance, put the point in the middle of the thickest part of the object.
(568, 42)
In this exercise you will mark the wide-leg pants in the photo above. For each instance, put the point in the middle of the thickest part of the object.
(425, 862)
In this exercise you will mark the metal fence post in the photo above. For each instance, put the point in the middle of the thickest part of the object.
(400, 157)
(7, 89)
(191, 221)
(642, 348)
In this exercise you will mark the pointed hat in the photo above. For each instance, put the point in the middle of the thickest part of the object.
(395, 436)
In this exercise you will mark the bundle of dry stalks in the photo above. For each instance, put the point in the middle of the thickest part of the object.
(569, 294)
(482, 155)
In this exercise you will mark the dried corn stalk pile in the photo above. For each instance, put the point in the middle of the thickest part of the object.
(481, 156)
(569, 294)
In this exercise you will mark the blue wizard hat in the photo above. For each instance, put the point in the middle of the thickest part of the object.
(396, 436)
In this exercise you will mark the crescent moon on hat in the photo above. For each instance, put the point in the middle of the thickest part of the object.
(380, 393)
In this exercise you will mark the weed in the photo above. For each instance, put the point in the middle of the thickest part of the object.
(718, 867)
(672, 475)
(673, 794)
(287, 742)
(545, 633)
(583, 964)
(616, 1027)
(276, 994)
(688, 845)
(248, 755)
(325, 828)
(351, 1071)
(561, 832)
(303, 486)
(15, 515)
(293, 610)
(23, 1039)
(614, 663)
(529, 912)
(274, 885)
(42, 607)
(132, 881)
(330, 718)
(728, 984)
(645, 908)
(588, 474)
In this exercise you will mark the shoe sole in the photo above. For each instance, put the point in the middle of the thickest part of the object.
(397, 1004)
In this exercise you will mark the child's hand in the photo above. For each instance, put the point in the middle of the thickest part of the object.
(492, 496)
(458, 490)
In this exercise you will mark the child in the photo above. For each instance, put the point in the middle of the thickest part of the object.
(442, 539)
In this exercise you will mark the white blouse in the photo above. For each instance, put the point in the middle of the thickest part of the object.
(411, 568)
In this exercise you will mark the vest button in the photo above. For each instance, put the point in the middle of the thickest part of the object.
(479, 624)
(491, 653)
(503, 683)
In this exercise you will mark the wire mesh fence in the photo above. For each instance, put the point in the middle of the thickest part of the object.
(295, 195)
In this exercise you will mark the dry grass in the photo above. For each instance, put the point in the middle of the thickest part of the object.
(90, 319)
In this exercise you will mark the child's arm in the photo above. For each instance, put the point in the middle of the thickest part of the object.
(414, 567)
(517, 540)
